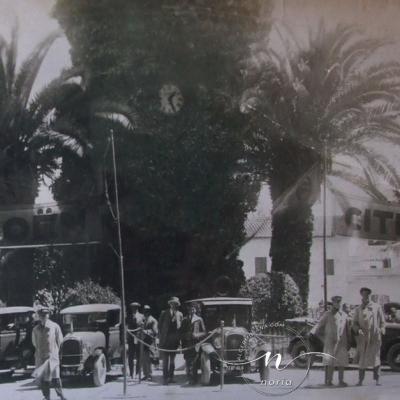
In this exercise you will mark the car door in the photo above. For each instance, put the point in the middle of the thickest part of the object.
(8, 335)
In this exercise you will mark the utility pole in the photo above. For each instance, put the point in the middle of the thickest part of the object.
(324, 226)
(121, 263)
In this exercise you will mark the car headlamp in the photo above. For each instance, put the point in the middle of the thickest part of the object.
(253, 342)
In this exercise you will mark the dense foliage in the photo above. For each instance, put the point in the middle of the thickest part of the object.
(183, 193)
(28, 151)
(275, 297)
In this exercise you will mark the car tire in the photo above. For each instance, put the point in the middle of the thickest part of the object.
(393, 357)
(262, 368)
(205, 365)
(100, 370)
(298, 348)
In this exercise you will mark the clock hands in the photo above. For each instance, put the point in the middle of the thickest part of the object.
(170, 101)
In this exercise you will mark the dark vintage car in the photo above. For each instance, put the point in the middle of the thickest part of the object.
(239, 347)
(92, 340)
(16, 349)
(303, 342)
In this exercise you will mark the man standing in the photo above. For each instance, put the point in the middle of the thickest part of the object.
(193, 330)
(135, 322)
(47, 339)
(335, 329)
(170, 324)
(369, 326)
(150, 331)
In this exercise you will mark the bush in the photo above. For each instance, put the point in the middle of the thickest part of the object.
(85, 292)
(89, 292)
(275, 296)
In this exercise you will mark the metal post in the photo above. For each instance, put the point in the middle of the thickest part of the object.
(222, 355)
(324, 228)
(140, 361)
(324, 242)
(121, 263)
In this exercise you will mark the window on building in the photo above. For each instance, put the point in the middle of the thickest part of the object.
(330, 266)
(387, 263)
(372, 266)
(261, 265)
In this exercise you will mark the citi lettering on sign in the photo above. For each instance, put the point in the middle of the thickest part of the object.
(369, 221)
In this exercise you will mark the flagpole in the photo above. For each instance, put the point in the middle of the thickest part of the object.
(121, 263)
(324, 227)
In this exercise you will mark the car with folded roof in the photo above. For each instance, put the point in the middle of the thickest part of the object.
(92, 340)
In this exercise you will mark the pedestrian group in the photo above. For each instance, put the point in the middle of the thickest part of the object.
(336, 328)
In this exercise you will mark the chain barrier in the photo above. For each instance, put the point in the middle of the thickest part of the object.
(152, 346)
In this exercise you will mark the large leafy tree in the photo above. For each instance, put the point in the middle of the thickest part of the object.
(333, 95)
(182, 196)
(28, 151)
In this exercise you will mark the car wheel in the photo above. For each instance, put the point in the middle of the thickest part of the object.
(262, 368)
(393, 357)
(100, 370)
(205, 365)
(298, 349)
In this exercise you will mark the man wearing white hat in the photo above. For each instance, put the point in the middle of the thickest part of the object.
(334, 327)
(169, 325)
(47, 338)
(369, 326)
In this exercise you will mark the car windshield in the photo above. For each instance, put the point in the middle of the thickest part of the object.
(231, 314)
(10, 322)
(85, 321)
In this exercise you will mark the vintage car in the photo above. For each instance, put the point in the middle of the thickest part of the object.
(240, 348)
(92, 340)
(303, 342)
(16, 349)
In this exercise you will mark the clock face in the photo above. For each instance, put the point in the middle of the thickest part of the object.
(171, 99)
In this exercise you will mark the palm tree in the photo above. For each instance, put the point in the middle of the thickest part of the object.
(333, 93)
(28, 150)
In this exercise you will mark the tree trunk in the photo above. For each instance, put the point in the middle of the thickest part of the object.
(292, 227)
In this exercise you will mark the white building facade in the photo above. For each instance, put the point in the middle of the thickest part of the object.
(352, 262)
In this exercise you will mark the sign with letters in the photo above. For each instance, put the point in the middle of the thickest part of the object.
(368, 220)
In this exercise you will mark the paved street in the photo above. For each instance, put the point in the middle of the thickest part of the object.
(234, 388)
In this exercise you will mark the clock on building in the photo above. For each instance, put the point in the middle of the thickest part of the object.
(171, 99)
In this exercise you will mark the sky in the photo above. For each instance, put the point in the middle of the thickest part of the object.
(376, 17)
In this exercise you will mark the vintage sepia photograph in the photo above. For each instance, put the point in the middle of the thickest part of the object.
(199, 199)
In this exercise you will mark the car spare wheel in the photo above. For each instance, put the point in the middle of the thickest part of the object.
(393, 357)
(100, 370)
(205, 365)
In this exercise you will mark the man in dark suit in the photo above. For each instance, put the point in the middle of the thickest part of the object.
(169, 326)
(135, 321)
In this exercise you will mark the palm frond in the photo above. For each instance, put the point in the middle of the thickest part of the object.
(29, 69)
(11, 58)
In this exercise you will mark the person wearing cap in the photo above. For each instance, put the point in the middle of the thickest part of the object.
(169, 326)
(334, 329)
(135, 321)
(47, 338)
(368, 326)
(192, 331)
(150, 331)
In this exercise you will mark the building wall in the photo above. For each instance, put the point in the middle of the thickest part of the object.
(352, 261)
